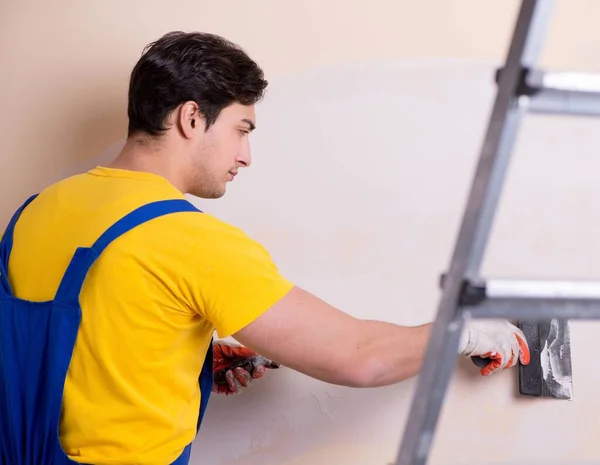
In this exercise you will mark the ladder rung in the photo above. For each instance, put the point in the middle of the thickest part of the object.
(541, 289)
(585, 83)
(535, 309)
(557, 92)
(564, 93)
(564, 102)
(531, 299)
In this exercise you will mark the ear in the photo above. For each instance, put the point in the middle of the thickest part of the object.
(189, 119)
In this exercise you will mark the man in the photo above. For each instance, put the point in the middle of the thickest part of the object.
(152, 288)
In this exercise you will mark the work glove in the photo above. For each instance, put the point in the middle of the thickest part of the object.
(502, 343)
(235, 367)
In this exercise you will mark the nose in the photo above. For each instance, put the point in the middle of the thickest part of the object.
(244, 158)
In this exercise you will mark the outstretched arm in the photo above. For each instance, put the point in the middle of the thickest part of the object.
(239, 290)
(307, 334)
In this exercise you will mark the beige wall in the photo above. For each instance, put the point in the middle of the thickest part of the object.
(66, 62)
(63, 88)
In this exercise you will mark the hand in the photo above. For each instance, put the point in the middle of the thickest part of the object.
(235, 367)
(503, 343)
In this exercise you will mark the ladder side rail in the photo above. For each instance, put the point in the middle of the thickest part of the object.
(442, 349)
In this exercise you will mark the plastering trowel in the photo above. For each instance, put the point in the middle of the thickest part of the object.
(549, 372)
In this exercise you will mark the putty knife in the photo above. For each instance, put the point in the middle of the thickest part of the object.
(549, 372)
(248, 364)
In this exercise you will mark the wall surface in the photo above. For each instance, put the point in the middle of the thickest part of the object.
(368, 100)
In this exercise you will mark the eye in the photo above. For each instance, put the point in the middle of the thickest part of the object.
(244, 132)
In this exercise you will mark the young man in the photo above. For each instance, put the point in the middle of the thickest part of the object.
(152, 295)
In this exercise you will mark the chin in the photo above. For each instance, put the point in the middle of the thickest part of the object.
(214, 194)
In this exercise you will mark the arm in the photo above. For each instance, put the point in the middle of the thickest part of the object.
(307, 334)
(237, 287)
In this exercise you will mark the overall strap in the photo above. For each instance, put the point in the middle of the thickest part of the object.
(84, 257)
(7, 243)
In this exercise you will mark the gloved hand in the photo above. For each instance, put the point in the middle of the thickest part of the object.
(236, 366)
(503, 343)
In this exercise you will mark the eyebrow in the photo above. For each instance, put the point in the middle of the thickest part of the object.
(250, 123)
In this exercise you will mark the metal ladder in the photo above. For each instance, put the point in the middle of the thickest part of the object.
(521, 88)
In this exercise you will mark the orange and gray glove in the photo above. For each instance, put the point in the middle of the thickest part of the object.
(494, 345)
(235, 367)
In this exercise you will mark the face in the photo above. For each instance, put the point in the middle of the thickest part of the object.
(216, 155)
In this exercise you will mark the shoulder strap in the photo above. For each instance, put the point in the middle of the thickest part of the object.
(72, 282)
(6, 245)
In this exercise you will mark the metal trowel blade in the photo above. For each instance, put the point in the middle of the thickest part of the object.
(549, 373)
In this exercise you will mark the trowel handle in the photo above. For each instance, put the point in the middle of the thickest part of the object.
(247, 364)
(480, 361)
(219, 376)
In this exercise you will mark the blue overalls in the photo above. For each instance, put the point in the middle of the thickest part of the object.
(36, 345)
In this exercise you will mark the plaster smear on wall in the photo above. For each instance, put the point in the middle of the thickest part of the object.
(358, 182)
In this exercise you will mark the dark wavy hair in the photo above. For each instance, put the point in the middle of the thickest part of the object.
(200, 67)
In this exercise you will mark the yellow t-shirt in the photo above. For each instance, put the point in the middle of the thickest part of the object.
(149, 304)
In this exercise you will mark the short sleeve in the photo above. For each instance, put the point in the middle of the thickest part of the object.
(234, 279)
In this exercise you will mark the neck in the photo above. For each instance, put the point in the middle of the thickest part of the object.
(150, 157)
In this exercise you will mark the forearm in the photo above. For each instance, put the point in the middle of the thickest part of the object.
(389, 353)
(306, 334)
